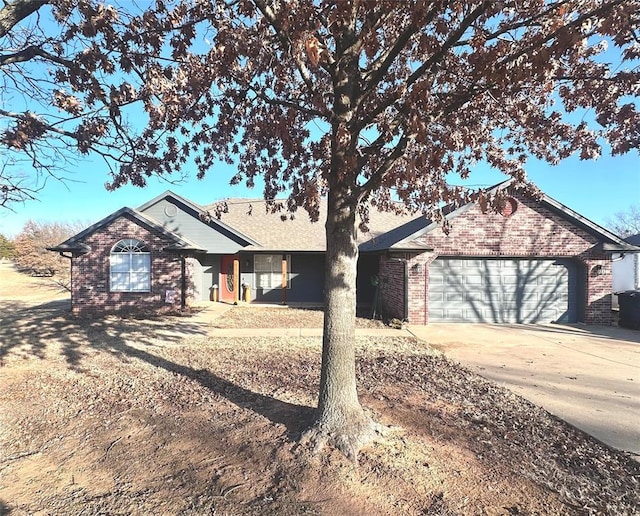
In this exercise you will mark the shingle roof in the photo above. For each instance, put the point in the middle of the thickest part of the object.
(633, 239)
(272, 233)
(268, 231)
(400, 238)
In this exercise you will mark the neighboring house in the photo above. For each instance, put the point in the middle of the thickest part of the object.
(626, 269)
(537, 261)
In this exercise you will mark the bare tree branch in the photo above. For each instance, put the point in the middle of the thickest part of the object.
(30, 52)
(272, 18)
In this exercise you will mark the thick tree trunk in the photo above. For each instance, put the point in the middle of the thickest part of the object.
(340, 420)
(14, 12)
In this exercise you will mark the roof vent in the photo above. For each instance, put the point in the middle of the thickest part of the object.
(170, 210)
(509, 208)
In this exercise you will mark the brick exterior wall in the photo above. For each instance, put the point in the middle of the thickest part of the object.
(90, 292)
(531, 231)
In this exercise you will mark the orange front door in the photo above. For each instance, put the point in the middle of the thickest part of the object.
(228, 281)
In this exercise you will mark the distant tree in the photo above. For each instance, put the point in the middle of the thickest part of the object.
(30, 253)
(360, 101)
(626, 223)
(7, 249)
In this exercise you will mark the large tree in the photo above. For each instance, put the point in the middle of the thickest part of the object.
(361, 101)
(626, 223)
(30, 250)
(7, 248)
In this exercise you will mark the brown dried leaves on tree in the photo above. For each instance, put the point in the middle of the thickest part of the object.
(432, 89)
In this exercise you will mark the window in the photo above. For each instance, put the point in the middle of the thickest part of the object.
(268, 270)
(130, 267)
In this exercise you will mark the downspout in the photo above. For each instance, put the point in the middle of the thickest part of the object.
(406, 291)
(183, 293)
(70, 258)
(425, 293)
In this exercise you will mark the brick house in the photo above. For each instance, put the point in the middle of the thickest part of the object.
(95, 286)
(537, 261)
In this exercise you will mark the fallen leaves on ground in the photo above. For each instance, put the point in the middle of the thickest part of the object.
(134, 416)
(211, 425)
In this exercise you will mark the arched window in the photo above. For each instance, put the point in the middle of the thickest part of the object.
(130, 266)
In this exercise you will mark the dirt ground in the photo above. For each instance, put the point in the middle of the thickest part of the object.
(152, 416)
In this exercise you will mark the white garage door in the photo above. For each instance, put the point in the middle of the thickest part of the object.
(502, 290)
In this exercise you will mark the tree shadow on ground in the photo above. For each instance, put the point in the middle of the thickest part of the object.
(295, 418)
(48, 330)
(29, 331)
(4, 509)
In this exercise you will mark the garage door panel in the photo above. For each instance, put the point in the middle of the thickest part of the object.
(438, 298)
(509, 279)
(436, 280)
(438, 313)
(477, 296)
(518, 300)
(509, 315)
(454, 280)
(502, 290)
(549, 314)
(527, 308)
(455, 314)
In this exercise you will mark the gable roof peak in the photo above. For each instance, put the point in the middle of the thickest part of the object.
(170, 193)
(75, 244)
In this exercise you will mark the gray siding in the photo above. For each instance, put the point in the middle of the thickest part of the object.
(307, 280)
(177, 218)
(502, 290)
(205, 275)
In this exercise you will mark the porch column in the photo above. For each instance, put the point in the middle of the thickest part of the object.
(284, 279)
(236, 281)
(183, 289)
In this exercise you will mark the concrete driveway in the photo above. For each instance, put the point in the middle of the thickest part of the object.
(586, 375)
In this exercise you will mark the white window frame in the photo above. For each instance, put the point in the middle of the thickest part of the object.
(267, 275)
(130, 266)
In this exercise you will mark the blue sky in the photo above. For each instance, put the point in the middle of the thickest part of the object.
(595, 189)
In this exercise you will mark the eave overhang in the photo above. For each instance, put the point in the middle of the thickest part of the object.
(76, 249)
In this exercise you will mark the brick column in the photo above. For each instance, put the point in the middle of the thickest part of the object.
(418, 287)
(598, 290)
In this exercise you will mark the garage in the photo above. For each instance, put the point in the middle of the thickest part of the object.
(502, 290)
